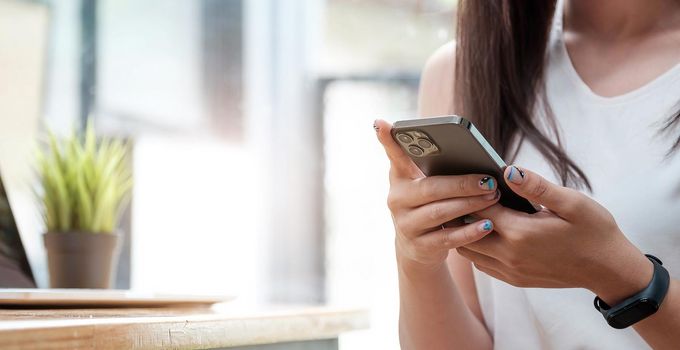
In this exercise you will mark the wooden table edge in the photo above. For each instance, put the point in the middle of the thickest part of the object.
(184, 331)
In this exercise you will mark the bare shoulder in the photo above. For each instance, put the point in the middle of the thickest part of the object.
(436, 83)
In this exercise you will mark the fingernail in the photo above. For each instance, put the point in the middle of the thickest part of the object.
(515, 175)
(485, 226)
(487, 183)
(491, 196)
(375, 125)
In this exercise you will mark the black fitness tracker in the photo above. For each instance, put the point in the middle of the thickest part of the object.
(641, 305)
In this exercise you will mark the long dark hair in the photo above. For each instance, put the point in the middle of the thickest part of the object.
(500, 59)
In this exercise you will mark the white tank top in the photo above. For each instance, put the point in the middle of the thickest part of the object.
(616, 143)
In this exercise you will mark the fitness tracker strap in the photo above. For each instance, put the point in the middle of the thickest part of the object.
(640, 305)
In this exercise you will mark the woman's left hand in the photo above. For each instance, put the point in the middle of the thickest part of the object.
(572, 242)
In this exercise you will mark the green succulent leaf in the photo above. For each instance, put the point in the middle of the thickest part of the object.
(85, 182)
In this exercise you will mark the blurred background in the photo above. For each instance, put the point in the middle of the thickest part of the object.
(256, 168)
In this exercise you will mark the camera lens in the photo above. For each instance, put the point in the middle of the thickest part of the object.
(404, 138)
(416, 151)
(424, 143)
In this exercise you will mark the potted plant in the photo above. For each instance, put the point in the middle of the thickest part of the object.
(85, 185)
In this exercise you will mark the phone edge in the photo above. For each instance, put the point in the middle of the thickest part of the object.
(457, 120)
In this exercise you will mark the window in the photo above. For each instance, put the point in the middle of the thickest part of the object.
(257, 172)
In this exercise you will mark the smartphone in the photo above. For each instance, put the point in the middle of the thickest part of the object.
(452, 145)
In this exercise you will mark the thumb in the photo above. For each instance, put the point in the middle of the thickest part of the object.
(562, 201)
(401, 164)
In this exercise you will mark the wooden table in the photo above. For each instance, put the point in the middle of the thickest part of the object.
(220, 326)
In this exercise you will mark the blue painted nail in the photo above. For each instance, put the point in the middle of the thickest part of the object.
(487, 183)
(485, 226)
(515, 175)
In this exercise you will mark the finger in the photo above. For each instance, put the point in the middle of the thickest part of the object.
(491, 245)
(425, 217)
(434, 188)
(486, 264)
(402, 165)
(480, 259)
(560, 200)
(503, 217)
(450, 238)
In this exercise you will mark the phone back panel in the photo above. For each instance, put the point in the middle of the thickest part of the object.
(461, 150)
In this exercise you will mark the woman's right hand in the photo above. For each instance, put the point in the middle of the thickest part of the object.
(421, 206)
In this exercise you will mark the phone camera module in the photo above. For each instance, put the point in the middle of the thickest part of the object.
(424, 143)
(416, 143)
(404, 138)
(416, 151)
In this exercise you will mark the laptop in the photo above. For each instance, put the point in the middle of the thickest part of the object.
(18, 285)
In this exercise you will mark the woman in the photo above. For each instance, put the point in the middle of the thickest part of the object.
(586, 94)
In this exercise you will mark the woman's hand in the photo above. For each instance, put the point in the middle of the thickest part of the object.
(572, 242)
(421, 205)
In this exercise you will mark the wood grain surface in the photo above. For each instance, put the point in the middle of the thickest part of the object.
(172, 328)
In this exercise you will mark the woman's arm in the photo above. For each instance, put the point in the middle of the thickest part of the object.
(433, 312)
(661, 330)
(626, 273)
(438, 304)
(461, 272)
